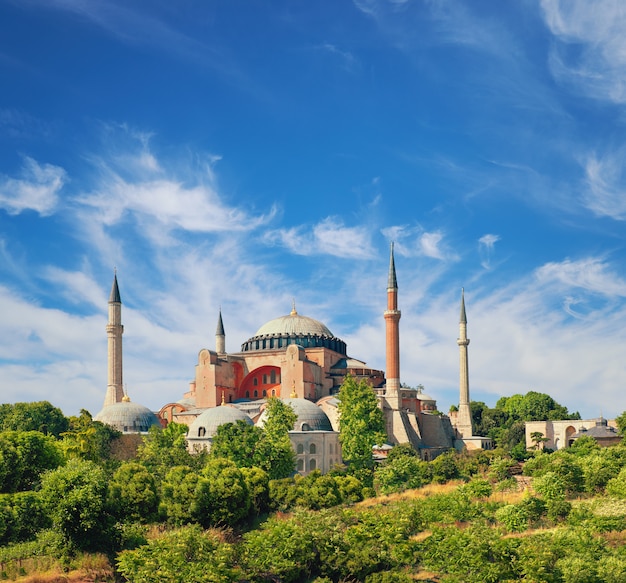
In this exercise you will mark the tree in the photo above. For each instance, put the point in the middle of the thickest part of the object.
(75, 497)
(163, 449)
(361, 423)
(38, 416)
(537, 438)
(188, 554)
(274, 452)
(88, 439)
(177, 495)
(24, 456)
(133, 493)
(237, 442)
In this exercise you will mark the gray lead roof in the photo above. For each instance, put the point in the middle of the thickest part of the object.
(115, 298)
(392, 282)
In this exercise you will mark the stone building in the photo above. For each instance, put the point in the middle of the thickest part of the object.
(562, 433)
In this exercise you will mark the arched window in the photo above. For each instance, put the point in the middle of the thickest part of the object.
(264, 393)
(230, 398)
(247, 394)
(264, 379)
(201, 431)
(312, 465)
(256, 393)
(273, 392)
(300, 448)
(312, 448)
(305, 427)
(255, 381)
(164, 414)
(300, 465)
(273, 377)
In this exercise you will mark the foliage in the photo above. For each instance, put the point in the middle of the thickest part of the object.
(163, 449)
(361, 423)
(133, 493)
(257, 482)
(221, 497)
(237, 442)
(274, 453)
(188, 554)
(39, 416)
(24, 456)
(401, 473)
(22, 516)
(177, 495)
(88, 439)
(75, 498)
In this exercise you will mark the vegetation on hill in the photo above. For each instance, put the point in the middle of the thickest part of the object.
(168, 516)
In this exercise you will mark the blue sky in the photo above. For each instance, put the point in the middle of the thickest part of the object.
(243, 154)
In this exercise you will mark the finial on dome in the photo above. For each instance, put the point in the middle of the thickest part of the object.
(293, 308)
(125, 398)
(223, 400)
(293, 395)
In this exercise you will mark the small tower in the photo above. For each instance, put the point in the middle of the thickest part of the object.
(464, 416)
(114, 329)
(392, 320)
(220, 336)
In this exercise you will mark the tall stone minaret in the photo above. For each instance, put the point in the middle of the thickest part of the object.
(220, 336)
(392, 320)
(115, 385)
(464, 416)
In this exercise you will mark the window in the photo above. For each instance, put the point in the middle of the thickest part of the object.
(273, 392)
(312, 465)
(273, 377)
(330, 448)
(264, 379)
(164, 414)
(264, 393)
(300, 448)
(312, 448)
(300, 465)
(256, 393)
(255, 381)
(201, 431)
(247, 394)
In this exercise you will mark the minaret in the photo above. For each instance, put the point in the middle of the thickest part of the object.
(392, 319)
(220, 336)
(115, 386)
(464, 416)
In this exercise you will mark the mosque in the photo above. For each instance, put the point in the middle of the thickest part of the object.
(299, 360)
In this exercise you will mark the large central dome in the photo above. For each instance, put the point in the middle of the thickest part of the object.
(294, 323)
(293, 329)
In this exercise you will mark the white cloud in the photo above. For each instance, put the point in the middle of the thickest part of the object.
(37, 189)
(429, 245)
(486, 246)
(328, 237)
(591, 54)
(606, 194)
(590, 274)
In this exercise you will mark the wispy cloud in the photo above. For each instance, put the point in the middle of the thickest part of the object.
(486, 246)
(591, 52)
(328, 237)
(37, 189)
(348, 61)
(606, 184)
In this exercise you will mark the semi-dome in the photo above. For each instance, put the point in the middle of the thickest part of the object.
(128, 417)
(310, 416)
(206, 424)
(293, 329)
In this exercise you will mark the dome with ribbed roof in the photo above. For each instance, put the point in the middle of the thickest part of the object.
(206, 424)
(128, 417)
(293, 329)
(310, 416)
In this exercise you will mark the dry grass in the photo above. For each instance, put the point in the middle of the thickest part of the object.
(88, 568)
(418, 493)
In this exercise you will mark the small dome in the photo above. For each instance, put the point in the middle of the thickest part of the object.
(293, 324)
(128, 417)
(310, 416)
(206, 424)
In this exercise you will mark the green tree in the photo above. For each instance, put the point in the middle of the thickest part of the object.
(401, 473)
(133, 493)
(24, 456)
(163, 449)
(221, 497)
(361, 423)
(188, 554)
(274, 452)
(37, 416)
(237, 442)
(75, 497)
(88, 439)
(177, 495)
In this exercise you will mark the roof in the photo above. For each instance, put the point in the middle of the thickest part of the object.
(128, 417)
(310, 416)
(212, 418)
(293, 324)
(114, 297)
(392, 282)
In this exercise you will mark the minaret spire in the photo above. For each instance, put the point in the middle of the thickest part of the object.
(220, 335)
(392, 319)
(115, 386)
(464, 416)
